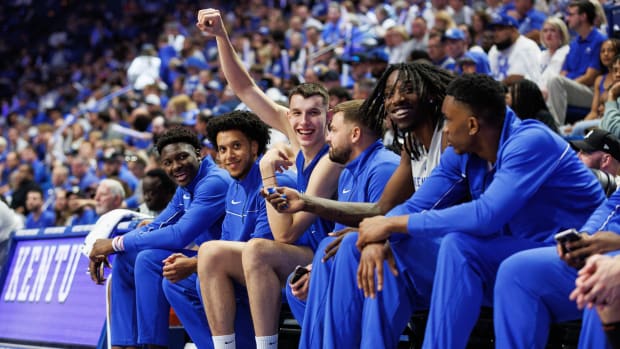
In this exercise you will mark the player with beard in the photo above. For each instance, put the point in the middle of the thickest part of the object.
(354, 141)
(514, 56)
(410, 95)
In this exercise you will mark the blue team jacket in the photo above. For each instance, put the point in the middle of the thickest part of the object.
(364, 178)
(194, 214)
(536, 188)
(246, 214)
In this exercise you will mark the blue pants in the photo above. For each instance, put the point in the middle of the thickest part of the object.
(312, 311)
(139, 308)
(354, 321)
(464, 281)
(531, 293)
(184, 296)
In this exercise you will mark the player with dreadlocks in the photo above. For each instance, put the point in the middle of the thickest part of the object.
(411, 96)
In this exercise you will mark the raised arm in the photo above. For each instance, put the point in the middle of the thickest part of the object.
(210, 23)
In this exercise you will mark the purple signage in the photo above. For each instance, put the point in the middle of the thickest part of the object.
(48, 295)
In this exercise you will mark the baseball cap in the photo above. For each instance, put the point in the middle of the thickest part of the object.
(453, 34)
(599, 140)
(503, 20)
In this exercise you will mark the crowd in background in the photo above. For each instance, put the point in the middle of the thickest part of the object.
(85, 88)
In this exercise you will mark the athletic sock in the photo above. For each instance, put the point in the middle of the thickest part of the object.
(224, 342)
(267, 342)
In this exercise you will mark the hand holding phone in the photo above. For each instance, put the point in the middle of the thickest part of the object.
(565, 236)
(298, 273)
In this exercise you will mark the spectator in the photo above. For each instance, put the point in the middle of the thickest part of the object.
(437, 53)
(609, 56)
(582, 64)
(525, 98)
(600, 150)
(529, 18)
(38, 216)
(514, 56)
(61, 207)
(113, 167)
(194, 215)
(555, 39)
(82, 174)
(25, 182)
(397, 44)
(109, 196)
(419, 34)
(157, 191)
(454, 41)
(81, 208)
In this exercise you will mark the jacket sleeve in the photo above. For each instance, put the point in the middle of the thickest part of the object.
(207, 207)
(446, 186)
(524, 169)
(611, 118)
(602, 214)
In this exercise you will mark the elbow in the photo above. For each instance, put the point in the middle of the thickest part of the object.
(288, 238)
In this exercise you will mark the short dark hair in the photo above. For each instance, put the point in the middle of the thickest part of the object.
(485, 97)
(585, 6)
(340, 92)
(178, 135)
(308, 90)
(35, 190)
(245, 121)
(166, 183)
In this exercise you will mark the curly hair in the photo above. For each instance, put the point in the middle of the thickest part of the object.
(178, 135)
(247, 122)
(429, 83)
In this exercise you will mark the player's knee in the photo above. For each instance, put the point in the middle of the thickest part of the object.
(257, 253)
(210, 255)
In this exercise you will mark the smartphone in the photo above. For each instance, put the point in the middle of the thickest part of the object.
(298, 273)
(565, 236)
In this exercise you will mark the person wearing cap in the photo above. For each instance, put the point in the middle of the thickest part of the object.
(530, 19)
(456, 47)
(114, 166)
(470, 63)
(437, 53)
(513, 56)
(582, 64)
(600, 150)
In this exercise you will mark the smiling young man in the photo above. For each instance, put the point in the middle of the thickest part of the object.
(494, 193)
(139, 309)
(354, 141)
(410, 95)
(240, 139)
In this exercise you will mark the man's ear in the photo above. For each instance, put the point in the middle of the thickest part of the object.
(356, 134)
(473, 125)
